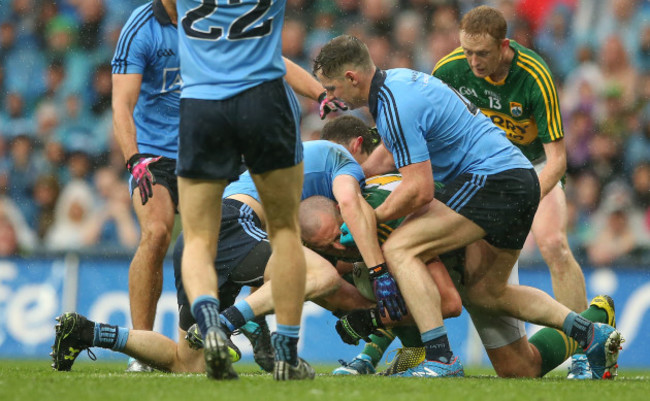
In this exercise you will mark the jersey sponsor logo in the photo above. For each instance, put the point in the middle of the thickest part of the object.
(521, 132)
(465, 91)
(165, 53)
(516, 109)
(171, 80)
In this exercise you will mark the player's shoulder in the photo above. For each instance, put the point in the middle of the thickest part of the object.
(140, 16)
(530, 61)
(451, 62)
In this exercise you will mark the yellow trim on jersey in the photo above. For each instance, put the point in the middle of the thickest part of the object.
(381, 180)
(567, 347)
(496, 83)
(547, 100)
(454, 55)
(548, 91)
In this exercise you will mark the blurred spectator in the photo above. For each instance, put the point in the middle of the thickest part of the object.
(444, 36)
(46, 193)
(618, 71)
(101, 93)
(556, 44)
(47, 123)
(641, 187)
(61, 47)
(91, 16)
(79, 166)
(378, 14)
(618, 227)
(114, 225)
(22, 238)
(8, 239)
(293, 43)
(22, 173)
(73, 217)
(637, 147)
(76, 129)
(580, 130)
(614, 240)
(14, 119)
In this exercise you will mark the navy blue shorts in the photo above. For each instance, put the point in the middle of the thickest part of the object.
(502, 204)
(242, 254)
(261, 125)
(164, 171)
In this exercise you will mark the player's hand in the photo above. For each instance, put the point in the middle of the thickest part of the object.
(387, 293)
(346, 236)
(329, 105)
(359, 325)
(138, 166)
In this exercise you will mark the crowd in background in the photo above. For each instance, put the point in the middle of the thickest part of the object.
(63, 184)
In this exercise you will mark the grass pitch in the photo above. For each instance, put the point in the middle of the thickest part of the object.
(34, 380)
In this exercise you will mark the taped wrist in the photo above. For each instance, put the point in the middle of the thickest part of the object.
(378, 270)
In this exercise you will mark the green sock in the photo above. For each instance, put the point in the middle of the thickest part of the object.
(377, 346)
(409, 336)
(556, 347)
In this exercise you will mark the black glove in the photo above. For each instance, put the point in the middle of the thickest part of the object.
(359, 324)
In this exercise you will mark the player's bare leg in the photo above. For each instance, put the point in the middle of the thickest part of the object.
(519, 359)
(200, 208)
(156, 220)
(321, 280)
(549, 229)
(280, 191)
(408, 246)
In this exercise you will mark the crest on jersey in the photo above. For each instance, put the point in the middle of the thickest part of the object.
(516, 109)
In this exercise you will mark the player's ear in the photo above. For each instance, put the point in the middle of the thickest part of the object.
(505, 43)
(352, 77)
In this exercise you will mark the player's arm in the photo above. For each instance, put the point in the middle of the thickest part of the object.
(546, 111)
(379, 162)
(126, 89)
(302, 81)
(415, 191)
(555, 166)
(359, 216)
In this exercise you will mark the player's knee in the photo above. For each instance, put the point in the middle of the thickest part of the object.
(554, 246)
(395, 254)
(156, 234)
(452, 305)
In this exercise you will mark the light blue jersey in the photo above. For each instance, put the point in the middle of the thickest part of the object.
(421, 118)
(323, 161)
(227, 47)
(148, 45)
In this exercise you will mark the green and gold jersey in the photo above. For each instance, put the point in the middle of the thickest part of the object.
(376, 191)
(525, 104)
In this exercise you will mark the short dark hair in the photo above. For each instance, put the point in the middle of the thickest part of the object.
(345, 128)
(341, 51)
(484, 20)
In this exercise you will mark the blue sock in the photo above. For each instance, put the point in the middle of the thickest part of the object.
(436, 345)
(285, 343)
(237, 315)
(578, 328)
(109, 336)
(205, 310)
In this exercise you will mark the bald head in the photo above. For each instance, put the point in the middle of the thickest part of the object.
(319, 220)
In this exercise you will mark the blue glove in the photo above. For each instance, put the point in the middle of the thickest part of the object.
(387, 293)
(346, 236)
